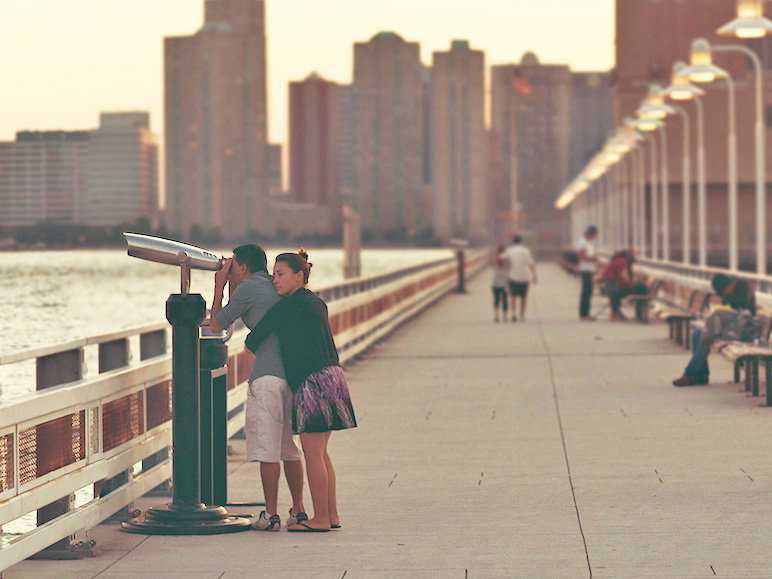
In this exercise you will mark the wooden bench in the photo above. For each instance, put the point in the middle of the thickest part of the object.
(680, 322)
(748, 358)
(678, 306)
(642, 302)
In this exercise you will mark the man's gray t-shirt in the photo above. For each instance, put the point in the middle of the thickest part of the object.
(253, 297)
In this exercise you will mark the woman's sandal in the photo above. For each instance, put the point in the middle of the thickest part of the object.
(307, 529)
(337, 526)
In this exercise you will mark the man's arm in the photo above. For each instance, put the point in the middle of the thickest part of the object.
(220, 279)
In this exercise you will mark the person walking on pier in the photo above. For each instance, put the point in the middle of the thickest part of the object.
(321, 399)
(268, 424)
(588, 264)
(522, 271)
(500, 286)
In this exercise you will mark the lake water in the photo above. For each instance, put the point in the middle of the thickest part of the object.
(55, 296)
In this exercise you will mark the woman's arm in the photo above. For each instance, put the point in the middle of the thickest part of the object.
(268, 325)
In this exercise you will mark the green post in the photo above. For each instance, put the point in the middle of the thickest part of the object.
(186, 514)
(214, 356)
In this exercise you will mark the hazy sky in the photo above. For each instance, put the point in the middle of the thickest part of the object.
(63, 61)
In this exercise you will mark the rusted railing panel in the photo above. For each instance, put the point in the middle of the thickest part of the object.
(159, 404)
(122, 420)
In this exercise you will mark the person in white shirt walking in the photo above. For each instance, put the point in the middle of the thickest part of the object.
(588, 264)
(522, 271)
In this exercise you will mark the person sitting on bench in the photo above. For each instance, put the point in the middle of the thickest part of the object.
(733, 320)
(618, 282)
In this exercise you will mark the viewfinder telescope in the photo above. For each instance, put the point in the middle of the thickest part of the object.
(171, 252)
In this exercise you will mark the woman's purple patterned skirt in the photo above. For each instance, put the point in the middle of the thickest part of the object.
(322, 403)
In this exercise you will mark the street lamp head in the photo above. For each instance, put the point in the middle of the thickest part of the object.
(595, 172)
(701, 68)
(569, 195)
(653, 106)
(750, 21)
(623, 141)
(647, 125)
(563, 202)
(627, 133)
(631, 124)
(680, 88)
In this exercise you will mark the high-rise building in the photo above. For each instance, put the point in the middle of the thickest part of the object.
(531, 122)
(388, 136)
(122, 171)
(103, 177)
(42, 176)
(313, 137)
(592, 116)
(645, 54)
(216, 122)
(345, 148)
(458, 141)
(274, 169)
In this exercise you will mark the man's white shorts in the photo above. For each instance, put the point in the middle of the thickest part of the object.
(269, 421)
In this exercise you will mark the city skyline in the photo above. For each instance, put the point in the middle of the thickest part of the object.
(127, 70)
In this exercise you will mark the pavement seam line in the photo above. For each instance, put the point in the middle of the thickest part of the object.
(518, 356)
(119, 559)
(563, 443)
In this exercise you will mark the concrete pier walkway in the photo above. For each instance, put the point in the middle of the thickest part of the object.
(548, 448)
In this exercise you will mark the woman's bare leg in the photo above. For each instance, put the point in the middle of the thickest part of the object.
(332, 491)
(314, 444)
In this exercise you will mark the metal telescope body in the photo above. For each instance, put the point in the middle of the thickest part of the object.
(170, 252)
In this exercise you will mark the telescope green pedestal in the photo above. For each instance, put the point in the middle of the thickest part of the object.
(186, 514)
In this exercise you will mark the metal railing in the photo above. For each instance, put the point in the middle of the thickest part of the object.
(78, 431)
(698, 277)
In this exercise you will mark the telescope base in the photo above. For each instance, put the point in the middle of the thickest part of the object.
(195, 520)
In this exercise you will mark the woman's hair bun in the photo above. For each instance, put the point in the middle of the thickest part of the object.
(303, 253)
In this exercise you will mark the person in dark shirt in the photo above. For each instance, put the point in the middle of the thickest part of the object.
(618, 282)
(321, 401)
(732, 322)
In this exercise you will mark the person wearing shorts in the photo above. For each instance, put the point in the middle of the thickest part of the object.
(519, 289)
(500, 286)
(522, 271)
(268, 425)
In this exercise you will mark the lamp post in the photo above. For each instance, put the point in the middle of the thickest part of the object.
(640, 197)
(648, 126)
(625, 142)
(702, 70)
(654, 108)
(624, 201)
(634, 202)
(681, 89)
(661, 110)
(686, 188)
(751, 23)
(631, 237)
